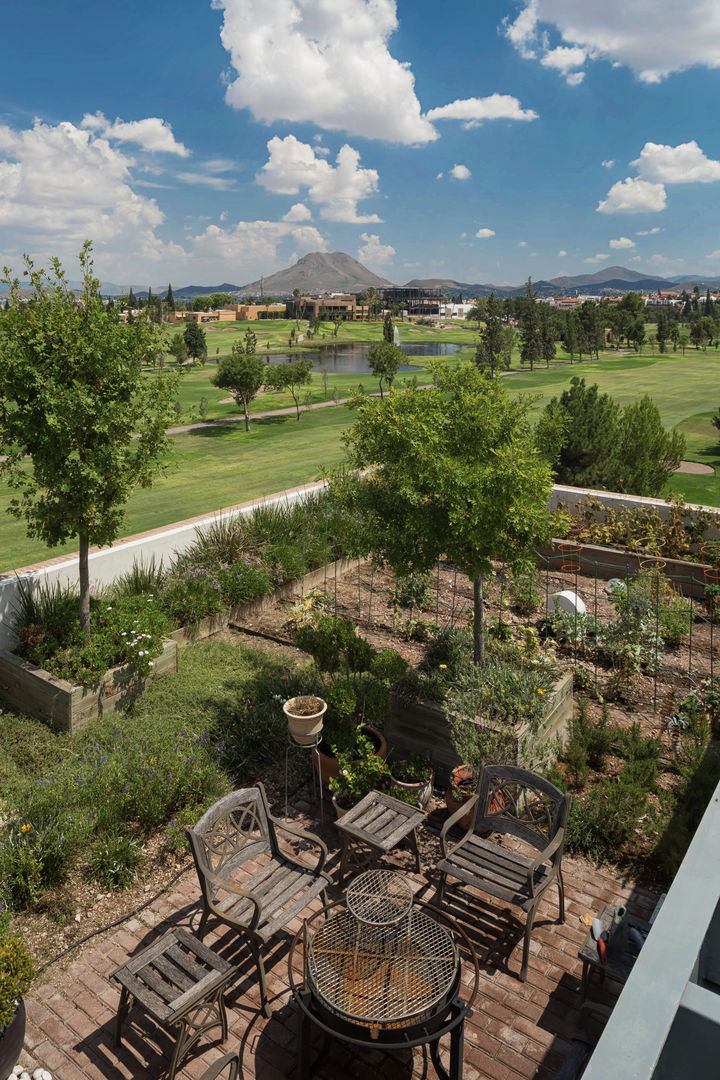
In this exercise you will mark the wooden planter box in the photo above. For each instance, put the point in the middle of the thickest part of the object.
(689, 578)
(419, 728)
(32, 690)
(185, 635)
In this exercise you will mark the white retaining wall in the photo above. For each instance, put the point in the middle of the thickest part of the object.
(108, 563)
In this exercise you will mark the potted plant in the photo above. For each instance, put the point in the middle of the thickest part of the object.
(360, 771)
(414, 778)
(17, 971)
(305, 718)
(356, 681)
(462, 785)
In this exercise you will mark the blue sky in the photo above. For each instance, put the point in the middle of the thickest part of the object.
(204, 142)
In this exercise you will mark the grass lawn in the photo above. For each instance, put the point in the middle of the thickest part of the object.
(218, 467)
(211, 468)
(680, 387)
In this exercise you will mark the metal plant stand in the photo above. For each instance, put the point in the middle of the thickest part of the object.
(313, 747)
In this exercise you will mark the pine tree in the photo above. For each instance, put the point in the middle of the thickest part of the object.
(530, 330)
(490, 353)
(169, 299)
(388, 328)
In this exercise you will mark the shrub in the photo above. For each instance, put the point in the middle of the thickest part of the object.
(523, 591)
(189, 595)
(411, 591)
(115, 860)
(360, 772)
(17, 972)
(602, 823)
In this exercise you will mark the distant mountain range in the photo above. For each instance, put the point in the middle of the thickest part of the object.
(320, 272)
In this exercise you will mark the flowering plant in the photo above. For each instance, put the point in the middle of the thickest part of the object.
(361, 771)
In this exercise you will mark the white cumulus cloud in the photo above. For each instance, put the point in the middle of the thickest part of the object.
(597, 258)
(61, 184)
(475, 111)
(562, 254)
(622, 242)
(151, 134)
(325, 62)
(633, 196)
(608, 163)
(649, 232)
(253, 245)
(484, 234)
(682, 164)
(293, 165)
(373, 253)
(298, 212)
(655, 41)
(566, 58)
(460, 172)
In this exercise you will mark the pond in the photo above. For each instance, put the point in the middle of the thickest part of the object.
(351, 359)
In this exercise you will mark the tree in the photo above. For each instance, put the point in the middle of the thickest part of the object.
(604, 446)
(491, 351)
(77, 405)
(453, 472)
(530, 331)
(547, 335)
(384, 359)
(242, 373)
(178, 348)
(570, 336)
(169, 299)
(291, 377)
(661, 334)
(388, 334)
(194, 338)
(478, 310)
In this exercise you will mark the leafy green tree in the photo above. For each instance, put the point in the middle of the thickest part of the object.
(291, 377)
(177, 347)
(478, 311)
(388, 329)
(384, 359)
(491, 354)
(169, 299)
(195, 342)
(242, 373)
(454, 472)
(77, 406)
(661, 334)
(674, 334)
(530, 330)
(647, 455)
(570, 336)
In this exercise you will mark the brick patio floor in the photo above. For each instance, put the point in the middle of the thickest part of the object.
(517, 1030)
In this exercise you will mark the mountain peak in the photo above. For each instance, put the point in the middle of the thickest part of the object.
(318, 271)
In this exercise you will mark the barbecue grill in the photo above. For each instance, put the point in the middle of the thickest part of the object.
(382, 969)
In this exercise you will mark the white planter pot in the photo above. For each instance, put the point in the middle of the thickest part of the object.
(305, 727)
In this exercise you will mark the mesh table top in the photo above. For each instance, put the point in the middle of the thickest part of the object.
(382, 974)
(379, 897)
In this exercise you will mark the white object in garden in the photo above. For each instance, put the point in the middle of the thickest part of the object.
(614, 585)
(567, 601)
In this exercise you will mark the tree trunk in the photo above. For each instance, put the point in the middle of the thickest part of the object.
(247, 416)
(84, 575)
(297, 405)
(478, 622)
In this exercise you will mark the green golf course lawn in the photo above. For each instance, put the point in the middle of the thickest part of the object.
(221, 466)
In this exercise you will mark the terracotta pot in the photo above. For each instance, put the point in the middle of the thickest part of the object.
(304, 727)
(461, 774)
(421, 789)
(328, 764)
(11, 1042)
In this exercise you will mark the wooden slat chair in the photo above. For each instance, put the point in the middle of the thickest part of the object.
(257, 904)
(516, 803)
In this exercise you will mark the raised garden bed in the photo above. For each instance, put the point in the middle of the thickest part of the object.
(32, 690)
(689, 578)
(70, 707)
(415, 726)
